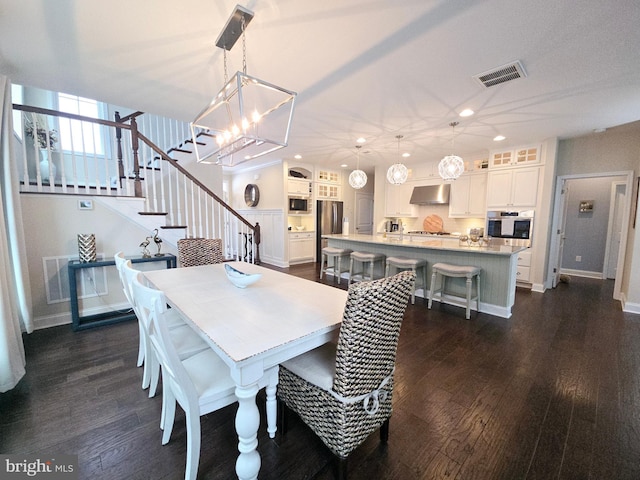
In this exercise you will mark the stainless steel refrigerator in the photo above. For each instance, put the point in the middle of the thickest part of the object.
(328, 221)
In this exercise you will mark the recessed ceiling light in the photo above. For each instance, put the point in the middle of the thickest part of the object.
(467, 112)
(599, 130)
(344, 165)
(406, 154)
(297, 157)
(361, 140)
(499, 138)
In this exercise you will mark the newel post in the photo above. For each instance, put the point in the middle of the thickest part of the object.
(256, 242)
(137, 185)
(119, 149)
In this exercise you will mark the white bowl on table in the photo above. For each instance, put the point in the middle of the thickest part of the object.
(241, 279)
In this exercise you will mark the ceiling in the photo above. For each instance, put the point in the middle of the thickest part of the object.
(362, 68)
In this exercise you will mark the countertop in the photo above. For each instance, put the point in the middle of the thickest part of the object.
(434, 242)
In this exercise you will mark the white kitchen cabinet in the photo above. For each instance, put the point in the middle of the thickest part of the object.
(298, 186)
(397, 200)
(522, 156)
(514, 187)
(523, 269)
(301, 247)
(468, 196)
(328, 176)
(327, 191)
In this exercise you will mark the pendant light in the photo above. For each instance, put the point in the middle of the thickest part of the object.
(357, 178)
(397, 173)
(451, 166)
(248, 117)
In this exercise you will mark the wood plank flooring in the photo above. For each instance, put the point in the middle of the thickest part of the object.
(552, 393)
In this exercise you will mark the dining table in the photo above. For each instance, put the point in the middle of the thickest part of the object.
(253, 330)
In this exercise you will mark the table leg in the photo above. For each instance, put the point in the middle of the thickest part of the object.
(272, 404)
(247, 424)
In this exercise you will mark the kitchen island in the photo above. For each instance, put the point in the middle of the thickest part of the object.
(498, 264)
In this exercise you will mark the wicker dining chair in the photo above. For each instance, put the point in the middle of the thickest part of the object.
(343, 392)
(199, 251)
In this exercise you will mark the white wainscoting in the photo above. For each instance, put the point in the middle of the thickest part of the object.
(272, 234)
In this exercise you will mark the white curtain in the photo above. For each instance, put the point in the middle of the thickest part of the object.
(15, 293)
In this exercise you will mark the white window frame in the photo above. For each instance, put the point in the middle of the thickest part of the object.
(81, 137)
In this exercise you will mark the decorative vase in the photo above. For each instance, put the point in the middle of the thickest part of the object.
(47, 169)
(87, 247)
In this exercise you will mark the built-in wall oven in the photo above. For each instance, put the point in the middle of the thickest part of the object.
(510, 227)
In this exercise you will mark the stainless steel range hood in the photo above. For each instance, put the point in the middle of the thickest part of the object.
(431, 195)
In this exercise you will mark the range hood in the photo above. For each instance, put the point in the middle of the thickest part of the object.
(431, 195)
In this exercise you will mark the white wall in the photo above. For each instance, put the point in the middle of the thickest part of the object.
(52, 223)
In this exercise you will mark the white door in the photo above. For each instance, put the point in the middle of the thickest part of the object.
(364, 213)
(618, 193)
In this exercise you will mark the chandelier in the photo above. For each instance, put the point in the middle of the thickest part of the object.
(397, 173)
(357, 178)
(247, 115)
(451, 166)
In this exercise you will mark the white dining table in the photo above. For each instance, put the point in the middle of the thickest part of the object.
(253, 330)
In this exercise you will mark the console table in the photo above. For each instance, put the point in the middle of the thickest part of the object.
(105, 318)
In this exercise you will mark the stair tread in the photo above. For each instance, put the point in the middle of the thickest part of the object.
(173, 226)
(153, 213)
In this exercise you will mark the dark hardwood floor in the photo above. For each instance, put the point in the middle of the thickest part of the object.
(552, 393)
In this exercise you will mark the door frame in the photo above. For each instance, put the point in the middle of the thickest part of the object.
(557, 229)
(614, 207)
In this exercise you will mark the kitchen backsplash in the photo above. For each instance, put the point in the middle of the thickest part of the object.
(461, 225)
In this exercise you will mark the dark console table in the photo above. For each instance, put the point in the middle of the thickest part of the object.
(106, 318)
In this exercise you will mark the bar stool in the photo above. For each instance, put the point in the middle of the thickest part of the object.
(395, 264)
(364, 258)
(336, 254)
(443, 270)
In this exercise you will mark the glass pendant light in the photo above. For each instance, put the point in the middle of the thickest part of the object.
(397, 173)
(451, 166)
(357, 178)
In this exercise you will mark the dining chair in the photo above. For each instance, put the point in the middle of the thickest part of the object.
(200, 384)
(184, 338)
(120, 261)
(199, 251)
(343, 391)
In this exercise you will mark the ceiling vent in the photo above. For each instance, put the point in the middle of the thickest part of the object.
(505, 73)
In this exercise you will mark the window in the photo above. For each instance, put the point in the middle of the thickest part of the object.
(16, 97)
(80, 136)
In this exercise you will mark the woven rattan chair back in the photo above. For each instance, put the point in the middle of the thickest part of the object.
(369, 333)
(199, 251)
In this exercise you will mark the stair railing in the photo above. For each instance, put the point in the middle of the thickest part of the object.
(118, 169)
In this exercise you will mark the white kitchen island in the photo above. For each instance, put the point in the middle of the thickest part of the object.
(498, 263)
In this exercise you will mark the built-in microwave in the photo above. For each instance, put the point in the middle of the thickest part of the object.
(299, 205)
(514, 227)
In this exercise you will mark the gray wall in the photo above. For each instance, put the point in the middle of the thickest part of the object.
(586, 232)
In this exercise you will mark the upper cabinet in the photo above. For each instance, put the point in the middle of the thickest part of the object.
(468, 196)
(299, 186)
(327, 191)
(515, 187)
(328, 176)
(397, 200)
(518, 157)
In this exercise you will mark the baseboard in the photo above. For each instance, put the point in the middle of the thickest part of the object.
(58, 319)
(629, 307)
(581, 273)
(538, 287)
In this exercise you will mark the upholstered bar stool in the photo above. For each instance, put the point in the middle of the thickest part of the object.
(442, 270)
(336, 254)
(395, 264)
(366, 259)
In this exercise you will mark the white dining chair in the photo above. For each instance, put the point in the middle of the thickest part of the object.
(183, 337)
(201, 384)
(120, 261)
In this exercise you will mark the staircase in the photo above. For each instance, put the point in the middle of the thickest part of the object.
(141, 180)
